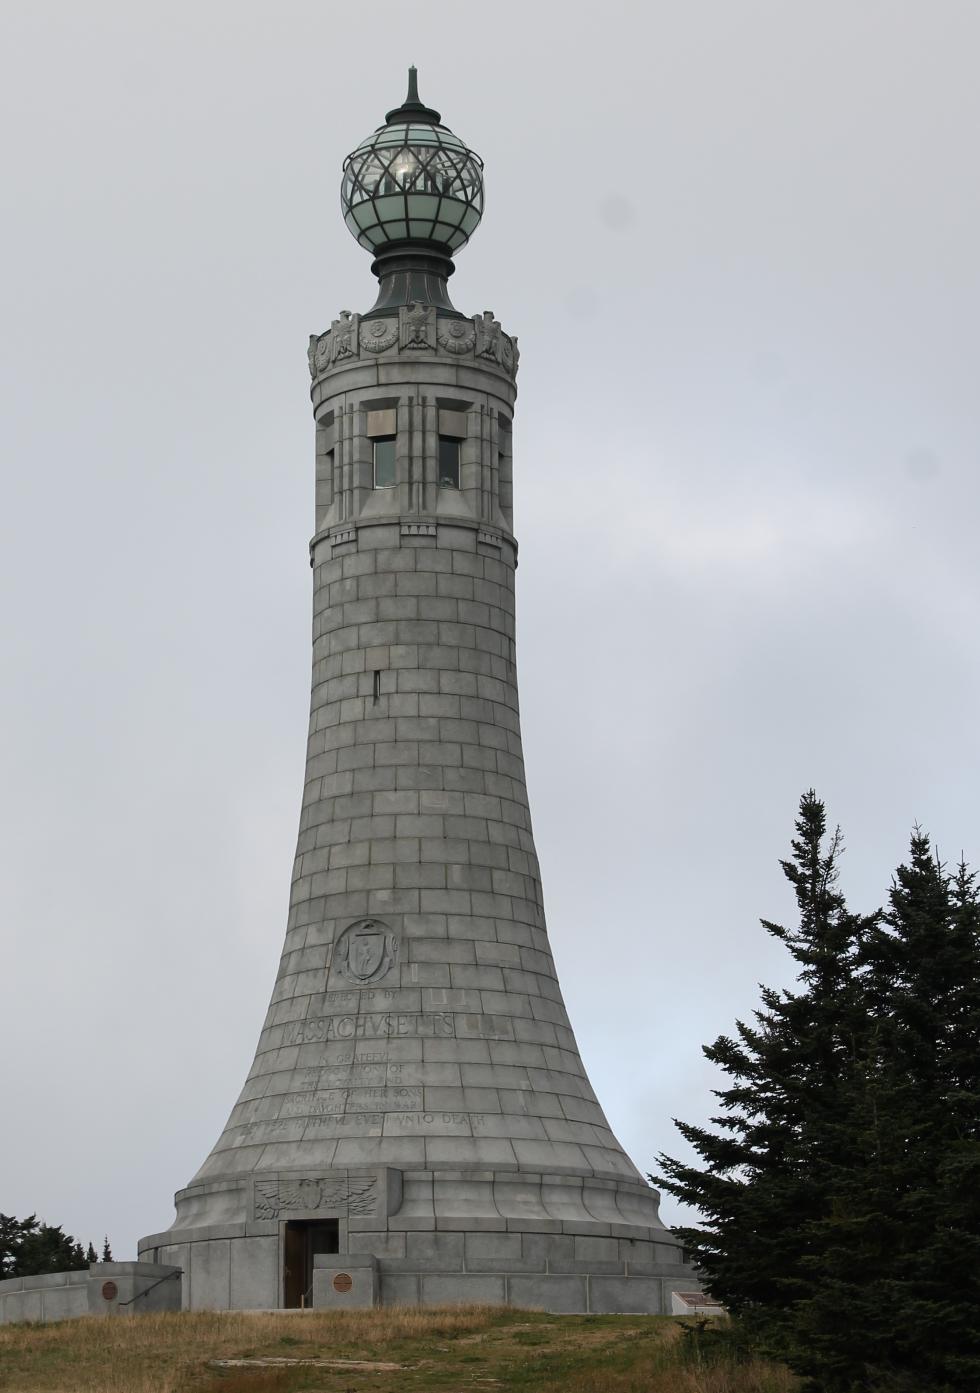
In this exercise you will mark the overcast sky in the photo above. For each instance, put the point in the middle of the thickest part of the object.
(738, 242)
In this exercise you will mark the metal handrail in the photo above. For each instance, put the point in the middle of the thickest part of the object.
(169, 1277)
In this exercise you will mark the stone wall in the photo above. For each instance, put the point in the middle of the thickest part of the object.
(104, 1288)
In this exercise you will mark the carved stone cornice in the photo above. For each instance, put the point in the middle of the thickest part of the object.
(345, 534)
(416, 333)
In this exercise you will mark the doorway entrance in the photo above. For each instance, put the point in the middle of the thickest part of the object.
(302, 1241)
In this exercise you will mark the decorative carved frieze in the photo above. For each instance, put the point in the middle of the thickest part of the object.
(417, 327)
(458, 336)
(334, 1195)
(343, 336)
(379, 336)
(417, 331)
(487, 336)
(341, 341)
(418, 529)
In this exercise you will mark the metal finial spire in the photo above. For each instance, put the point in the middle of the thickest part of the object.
(412, 109)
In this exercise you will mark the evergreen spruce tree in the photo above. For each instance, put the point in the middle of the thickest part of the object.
(901, 1252)
(766, 1178)
(106, 1250)
(90, 1254)
(842, 1194)
(29, 1248)
(11, 1233)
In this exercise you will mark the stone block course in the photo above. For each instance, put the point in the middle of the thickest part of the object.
(566, 1295)
(466, 1289)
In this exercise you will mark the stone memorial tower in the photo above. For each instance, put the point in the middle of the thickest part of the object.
(417, 1125)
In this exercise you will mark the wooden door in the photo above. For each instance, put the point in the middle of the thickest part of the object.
(294, 1265)
(302, 1240)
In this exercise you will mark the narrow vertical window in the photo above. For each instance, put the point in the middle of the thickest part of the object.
(448, 462)
(384, 462)
(324, 492)
(376, 691)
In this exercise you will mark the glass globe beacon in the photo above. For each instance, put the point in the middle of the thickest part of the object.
(413, 180)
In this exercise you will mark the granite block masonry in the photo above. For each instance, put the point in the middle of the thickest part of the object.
(417, 1104)
(102, 1288)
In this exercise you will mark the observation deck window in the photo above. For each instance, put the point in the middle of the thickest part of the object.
(448, 462)
(384, 462)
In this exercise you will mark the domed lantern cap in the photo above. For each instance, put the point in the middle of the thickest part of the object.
(413, 183)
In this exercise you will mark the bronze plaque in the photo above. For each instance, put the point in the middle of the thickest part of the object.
(343, 1281)
(110, 1291)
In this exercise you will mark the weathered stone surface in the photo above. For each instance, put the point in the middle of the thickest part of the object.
(569, 1295)
(345, 1283)
(416, 1022)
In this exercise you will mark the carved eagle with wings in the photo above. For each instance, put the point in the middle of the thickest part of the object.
(353, 1196)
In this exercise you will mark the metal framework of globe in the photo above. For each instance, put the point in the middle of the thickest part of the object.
(412, 182)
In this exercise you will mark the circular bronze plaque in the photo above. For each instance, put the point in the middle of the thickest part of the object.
(110, 1291)
(343, 1281)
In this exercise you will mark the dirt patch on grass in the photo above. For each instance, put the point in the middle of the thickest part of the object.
(281, 1362)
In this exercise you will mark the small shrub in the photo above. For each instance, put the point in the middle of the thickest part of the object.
(707, 1343)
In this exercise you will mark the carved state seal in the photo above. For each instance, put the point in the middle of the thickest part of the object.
(366, 951)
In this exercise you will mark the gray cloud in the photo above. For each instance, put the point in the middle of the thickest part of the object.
(738, 244)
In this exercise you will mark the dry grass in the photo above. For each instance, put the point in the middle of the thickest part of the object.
(456, 1350)
(665, 1377)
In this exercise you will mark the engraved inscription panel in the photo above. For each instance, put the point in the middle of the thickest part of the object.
(334, 1101)
(384, 1100)
(432, 1124)
(358, 1124)
(387, 1024)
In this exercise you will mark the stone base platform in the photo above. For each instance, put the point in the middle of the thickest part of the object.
(563, 1243)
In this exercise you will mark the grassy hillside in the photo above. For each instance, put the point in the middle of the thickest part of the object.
(401, 1350)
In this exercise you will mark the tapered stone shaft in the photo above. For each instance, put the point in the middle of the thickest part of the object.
(417, 1104)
